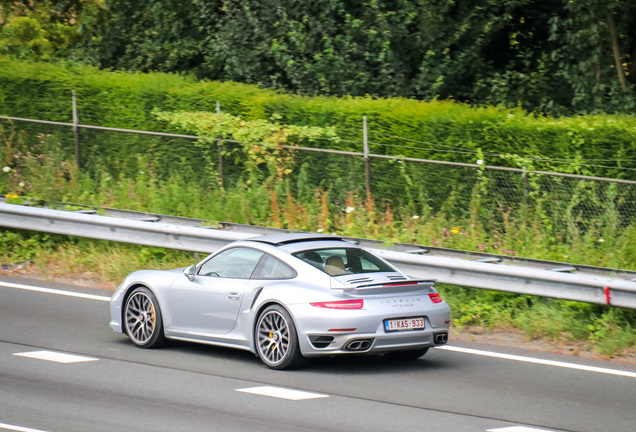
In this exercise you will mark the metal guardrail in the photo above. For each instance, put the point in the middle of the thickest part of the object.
(517, 275)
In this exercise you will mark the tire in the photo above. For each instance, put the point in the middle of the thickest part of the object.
(143, 322)
(406, 355)
(276, 339)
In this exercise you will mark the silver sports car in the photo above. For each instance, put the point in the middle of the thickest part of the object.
(285, 298)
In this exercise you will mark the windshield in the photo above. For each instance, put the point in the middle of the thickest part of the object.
(339, 261)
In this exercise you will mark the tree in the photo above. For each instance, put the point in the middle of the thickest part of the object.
(159, 35)
(596, 43)
(551, 56)
(41, 29)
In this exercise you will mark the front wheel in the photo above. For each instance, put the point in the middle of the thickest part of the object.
(142, 319)
(277, 339)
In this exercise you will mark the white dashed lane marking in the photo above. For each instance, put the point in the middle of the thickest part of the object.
(518, 429)
(281, 393)
(56, 357)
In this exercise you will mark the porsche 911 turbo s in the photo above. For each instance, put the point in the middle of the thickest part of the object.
(285, 298)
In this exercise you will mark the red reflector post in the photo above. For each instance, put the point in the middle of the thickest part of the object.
(435, 298)
(342, 304)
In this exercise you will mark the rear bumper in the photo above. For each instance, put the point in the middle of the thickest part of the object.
(380, 342)
(359, 332)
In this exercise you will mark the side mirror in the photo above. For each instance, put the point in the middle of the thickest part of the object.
(190, 272)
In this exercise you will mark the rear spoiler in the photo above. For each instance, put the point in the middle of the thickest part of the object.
(400, 287)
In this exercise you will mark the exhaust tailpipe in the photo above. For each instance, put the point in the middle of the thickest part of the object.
(440, 338)
(359, 345)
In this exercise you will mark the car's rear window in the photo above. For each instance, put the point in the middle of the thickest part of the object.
(339, 261)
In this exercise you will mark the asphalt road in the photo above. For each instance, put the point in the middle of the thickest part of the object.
(189, 387)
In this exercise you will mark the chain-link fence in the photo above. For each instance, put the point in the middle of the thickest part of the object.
(492, 196)
(566, 205)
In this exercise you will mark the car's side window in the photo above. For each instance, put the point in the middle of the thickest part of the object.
(237, 263)
(273, 268)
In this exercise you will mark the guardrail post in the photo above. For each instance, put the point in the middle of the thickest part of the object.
(524, 181)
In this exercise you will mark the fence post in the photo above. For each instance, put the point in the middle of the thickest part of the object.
(367, 161)
(524, 180)
(76, 132)
(219, 145)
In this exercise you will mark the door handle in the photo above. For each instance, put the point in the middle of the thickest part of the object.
(233, 296)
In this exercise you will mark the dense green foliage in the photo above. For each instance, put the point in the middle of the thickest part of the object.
(558, 56)
(600, 145)
(568, 211)
(46, 29)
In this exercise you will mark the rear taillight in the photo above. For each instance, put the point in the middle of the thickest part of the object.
(435, 298)
(342, 304)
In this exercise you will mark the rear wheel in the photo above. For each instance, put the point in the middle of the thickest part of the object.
(406, 355)
(277, 339)
(142, 319)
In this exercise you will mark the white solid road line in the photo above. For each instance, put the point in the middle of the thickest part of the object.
(18, 428)
(538, 361)
(446, 347)
(54, 291)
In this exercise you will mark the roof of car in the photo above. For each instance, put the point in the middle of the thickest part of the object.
(281, 239)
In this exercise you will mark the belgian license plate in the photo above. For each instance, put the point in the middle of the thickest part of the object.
(404, 324)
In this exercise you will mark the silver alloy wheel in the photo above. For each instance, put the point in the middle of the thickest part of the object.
(141, 318)
(273, 337)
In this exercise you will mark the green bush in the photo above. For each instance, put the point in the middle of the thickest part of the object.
(440, 130)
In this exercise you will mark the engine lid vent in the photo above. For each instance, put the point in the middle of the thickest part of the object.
(359, 280)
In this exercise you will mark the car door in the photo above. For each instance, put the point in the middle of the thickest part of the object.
(210, 303)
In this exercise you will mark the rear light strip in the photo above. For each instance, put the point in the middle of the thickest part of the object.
(342, 304)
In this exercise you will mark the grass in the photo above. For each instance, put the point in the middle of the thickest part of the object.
(605, 330)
